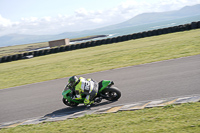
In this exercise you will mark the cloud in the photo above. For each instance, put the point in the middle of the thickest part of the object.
(84, 19)
(97, 20)
(82, 12)
(4, 22)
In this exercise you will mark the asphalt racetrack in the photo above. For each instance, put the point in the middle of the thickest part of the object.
(158, 80)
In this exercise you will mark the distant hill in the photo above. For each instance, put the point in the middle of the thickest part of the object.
(145, 18)
(154, 17)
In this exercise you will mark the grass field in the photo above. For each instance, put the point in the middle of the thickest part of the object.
(184, 118)
(100, 58)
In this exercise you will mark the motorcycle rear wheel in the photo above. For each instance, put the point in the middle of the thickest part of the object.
(71, 104)
(112, 94)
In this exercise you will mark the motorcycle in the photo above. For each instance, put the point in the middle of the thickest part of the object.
(105, 91)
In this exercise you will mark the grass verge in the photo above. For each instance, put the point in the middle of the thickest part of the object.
(184, 118)
(100, 58)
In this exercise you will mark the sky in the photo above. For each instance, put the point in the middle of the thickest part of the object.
(50, 17)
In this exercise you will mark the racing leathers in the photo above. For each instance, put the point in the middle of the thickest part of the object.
(87, 87)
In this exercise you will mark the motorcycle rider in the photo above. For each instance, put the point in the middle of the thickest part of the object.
(83, 86)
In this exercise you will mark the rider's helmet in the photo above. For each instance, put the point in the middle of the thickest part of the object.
(72, 81)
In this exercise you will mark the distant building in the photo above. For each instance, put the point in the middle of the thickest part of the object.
(57, 43)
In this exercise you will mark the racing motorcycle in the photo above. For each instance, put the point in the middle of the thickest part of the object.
(105, 91)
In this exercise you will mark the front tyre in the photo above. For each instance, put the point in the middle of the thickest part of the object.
(71, 104)
(112, 94)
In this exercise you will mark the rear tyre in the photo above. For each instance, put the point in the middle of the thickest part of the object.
(112, 93)
(71, 104)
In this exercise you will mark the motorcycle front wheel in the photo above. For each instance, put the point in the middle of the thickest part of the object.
(112, 94)
(71, 104)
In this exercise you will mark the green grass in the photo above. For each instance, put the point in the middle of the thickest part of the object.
(184, 118)
(100, 58)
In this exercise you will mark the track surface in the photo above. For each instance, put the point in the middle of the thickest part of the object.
(171, 78)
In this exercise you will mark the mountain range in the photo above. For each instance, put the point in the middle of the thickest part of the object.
(145, 18)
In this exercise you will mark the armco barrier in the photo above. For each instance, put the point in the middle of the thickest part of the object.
(14, 57)
(6, 59)
(82, 45)
(25, 54)
(98, 42)
(144, 34)
(30, 53)
(41, 52)
(77, 46)
(87, 44)
(66, 48)
(134, 36)
(108, 41)
(2, 59)
(113, 40)
(150, 33)
(51, 51)
(165, 31)
(193, 25)
(92, 43)
(73, 47)
(119, 39)
(155, 33)
(129, 37)
(46, 51)
(61, 49)
(103, 41)
(35, 53)
(54, 50)
(124, 38)
(139, 35)
(69, 47)
(19, 56)
(169, 30)
(175, 29)
(198, 24)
